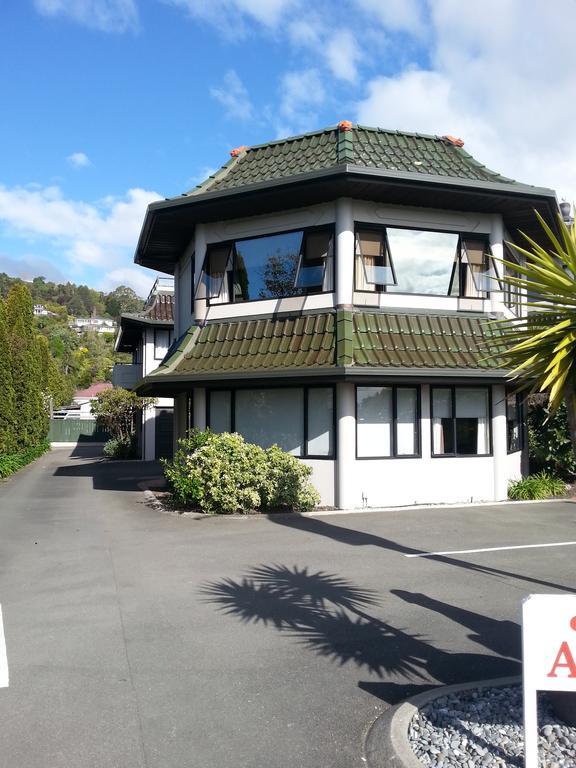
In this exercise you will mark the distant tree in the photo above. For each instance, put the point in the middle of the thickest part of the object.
(7, 395)
(122, 299)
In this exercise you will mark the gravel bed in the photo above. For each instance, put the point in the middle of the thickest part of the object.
(481, 728)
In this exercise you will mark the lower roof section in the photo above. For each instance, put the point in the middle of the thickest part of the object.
(331, 346)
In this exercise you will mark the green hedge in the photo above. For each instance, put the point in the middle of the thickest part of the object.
(12, 462)
(223, 474)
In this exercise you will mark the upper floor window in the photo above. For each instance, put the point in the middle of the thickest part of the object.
(162, 341)
(422, 262)
(512, 293)
(269, 267)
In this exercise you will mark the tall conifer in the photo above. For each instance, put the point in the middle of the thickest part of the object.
(7, 397)
(26, 367)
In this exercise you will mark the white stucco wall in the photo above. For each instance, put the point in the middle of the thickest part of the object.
(323, 479)
(149, 363)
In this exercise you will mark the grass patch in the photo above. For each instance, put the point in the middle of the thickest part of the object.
(542, 485)
(12, 462)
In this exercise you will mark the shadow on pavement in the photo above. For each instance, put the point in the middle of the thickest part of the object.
(107, 475)
(331, 617)
(359, 539)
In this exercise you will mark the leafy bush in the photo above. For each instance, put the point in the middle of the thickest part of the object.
(539, 486)
(288, 485)
(119, 448)
(223, 474)
(549, 442)
(12, 462)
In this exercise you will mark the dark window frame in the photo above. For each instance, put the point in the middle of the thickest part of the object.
(231, 243)
(417, 424)
(462, 235)
(306, 388)
(455, 454)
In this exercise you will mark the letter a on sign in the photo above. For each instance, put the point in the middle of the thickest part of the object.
(564, 660)
(549, 657)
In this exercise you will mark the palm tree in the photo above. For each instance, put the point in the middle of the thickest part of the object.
(540, 347)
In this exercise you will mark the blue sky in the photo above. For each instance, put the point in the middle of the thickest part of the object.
(110, 104)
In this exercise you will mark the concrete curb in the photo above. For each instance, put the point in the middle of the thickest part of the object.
(386, 741)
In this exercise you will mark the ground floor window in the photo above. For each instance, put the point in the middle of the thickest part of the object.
(514, 422)
(460, 421)
(298, 419)
(387, 421)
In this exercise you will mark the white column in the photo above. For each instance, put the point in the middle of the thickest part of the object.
(499, 442)
(497, 247)
(344, 251)
(425, 426)
(199, 408)
(200, 304)
(346, 496)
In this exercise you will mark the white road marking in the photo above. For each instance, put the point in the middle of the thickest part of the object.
(495, 549)
(3, 658)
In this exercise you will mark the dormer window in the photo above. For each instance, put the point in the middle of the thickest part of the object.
(425, 262)
(268, 267)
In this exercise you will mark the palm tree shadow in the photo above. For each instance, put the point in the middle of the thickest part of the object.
(330, 617)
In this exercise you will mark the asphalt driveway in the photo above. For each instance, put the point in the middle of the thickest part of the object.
(137, 638)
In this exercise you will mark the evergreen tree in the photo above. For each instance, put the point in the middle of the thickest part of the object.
(7, 397)
(30, 418)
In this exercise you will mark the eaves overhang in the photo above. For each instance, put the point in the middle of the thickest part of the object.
(169, 224)
(130, 330)
(172, 385)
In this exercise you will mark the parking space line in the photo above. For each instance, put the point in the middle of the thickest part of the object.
(495, 549)
(3, 657)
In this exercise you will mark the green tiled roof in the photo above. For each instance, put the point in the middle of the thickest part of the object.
(333, 342)
(423, 341)
(388, 151)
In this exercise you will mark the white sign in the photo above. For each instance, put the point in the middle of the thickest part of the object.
(548, 657)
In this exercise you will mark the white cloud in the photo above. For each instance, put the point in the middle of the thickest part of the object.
(398, 15)
(138, 278)
(102, 234)
(232, 17)
(233, 96)
(301, 92)
(78, 160)
(342, 55)
(104, 15)
(502, 76)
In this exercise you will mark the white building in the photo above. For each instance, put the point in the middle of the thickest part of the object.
(334, 293)
(147, 336)
(96, 324)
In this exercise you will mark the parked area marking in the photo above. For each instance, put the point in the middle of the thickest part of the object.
(3, 657)
(495, 549)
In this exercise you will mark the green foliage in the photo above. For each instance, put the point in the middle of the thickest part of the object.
(223, 474)
(122, 299)
(30, 421)
(12, 462)
(7, 393)
(549, 443)
(116, 410)
(539, 486)
(119, 448)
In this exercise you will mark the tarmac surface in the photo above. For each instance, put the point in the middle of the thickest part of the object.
(136, 638)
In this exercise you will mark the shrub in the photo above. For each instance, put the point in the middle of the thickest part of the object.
(549, 442)
(288, 484)
(12, 462)
(223, 474)
(539, 486)
(119, 448)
